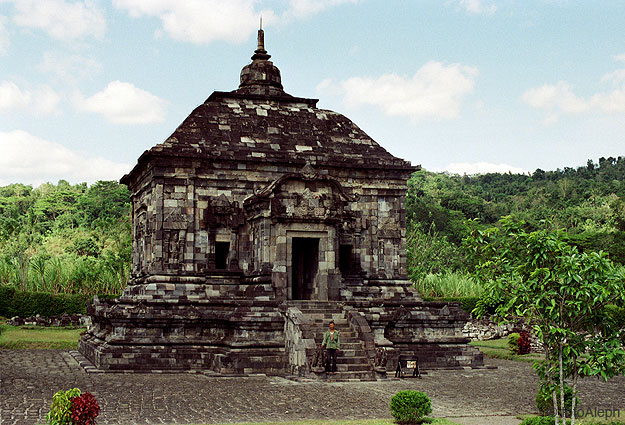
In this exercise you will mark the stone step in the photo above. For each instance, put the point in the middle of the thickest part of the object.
(344, 333)
(333, 308)
(349, 352)
(322, 317)
(322, 328)
(351, 376)
(344, 339)
(315, 304)
(323, 313)
(339, 321)
(352, 360)
(351, 348)
(357, 367)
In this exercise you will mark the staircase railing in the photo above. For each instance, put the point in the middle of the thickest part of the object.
(299, 343)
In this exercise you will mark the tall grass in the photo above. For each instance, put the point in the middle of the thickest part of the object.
(71, 274)
(448, 284)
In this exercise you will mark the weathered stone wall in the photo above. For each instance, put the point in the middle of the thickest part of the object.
(298, 344)
(187, 206)
(166, 328)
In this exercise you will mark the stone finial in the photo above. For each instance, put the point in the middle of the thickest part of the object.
(260, 53)
(261, 76)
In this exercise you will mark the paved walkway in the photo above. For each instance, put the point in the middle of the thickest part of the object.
(29, 378)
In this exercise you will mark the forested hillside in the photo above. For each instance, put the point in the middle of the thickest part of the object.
(64, 238)
(76, 239)
(588, 202)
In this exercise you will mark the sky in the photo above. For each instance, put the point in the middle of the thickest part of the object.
(463, 86)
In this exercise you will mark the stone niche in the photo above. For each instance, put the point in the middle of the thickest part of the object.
(259, 207)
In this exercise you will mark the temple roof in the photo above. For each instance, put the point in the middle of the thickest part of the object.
(260, 122)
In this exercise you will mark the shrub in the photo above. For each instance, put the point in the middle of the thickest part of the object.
(513, 342)
(85, 247)
(25, 304)
(544, 399)
(469, 303)
(60, 411)
(539, 420)
(487, 305)
(73, 408)
(32, 303)
(6, 297)
(524, 345)
(84, 409)
(410, 407)
(519, 343)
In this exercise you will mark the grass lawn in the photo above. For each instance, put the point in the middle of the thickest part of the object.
(35, 337)
(435, 421)
(586, 421)
(498, 349)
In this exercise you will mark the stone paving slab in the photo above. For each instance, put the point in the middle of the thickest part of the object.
(29, 378)
(487, 420)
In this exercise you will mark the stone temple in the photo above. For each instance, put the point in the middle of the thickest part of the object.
(257, 221)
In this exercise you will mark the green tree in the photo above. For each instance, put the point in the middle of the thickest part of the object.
(565, 294)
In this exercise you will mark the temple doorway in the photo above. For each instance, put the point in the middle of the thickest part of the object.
(305, 264)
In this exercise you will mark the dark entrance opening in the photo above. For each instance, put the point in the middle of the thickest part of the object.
(345, 259)
(221, 255)
(305, 263)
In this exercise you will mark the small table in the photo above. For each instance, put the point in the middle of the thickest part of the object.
(404, 364)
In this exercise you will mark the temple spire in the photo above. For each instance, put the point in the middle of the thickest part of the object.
(260, 53)
(261, 76)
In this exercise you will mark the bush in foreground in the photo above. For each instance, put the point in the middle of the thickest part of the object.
(71, 407)
(85, 409)
(544, 399)
(410, 407)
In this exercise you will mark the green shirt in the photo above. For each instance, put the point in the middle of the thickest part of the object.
(330, 342)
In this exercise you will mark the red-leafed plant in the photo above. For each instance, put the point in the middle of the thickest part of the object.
(524, 342)
(85, 409)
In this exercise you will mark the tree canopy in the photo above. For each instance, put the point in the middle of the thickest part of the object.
(65, 238)
(565, 294)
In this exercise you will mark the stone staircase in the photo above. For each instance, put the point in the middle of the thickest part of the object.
(352, 363)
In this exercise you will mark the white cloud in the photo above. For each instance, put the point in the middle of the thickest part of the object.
(43, 100)
(616, 77)
(467, 168)
(434, 91)
(69, 68)
(123, 103)
(12, 97)
(555, 99)
(305, 8)
(47, 101)
(200, 21)
(613, 101)
(61, 19)
(28, 159)
(4, 35)
(205, 21)
(559, 99)
(477, 7)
